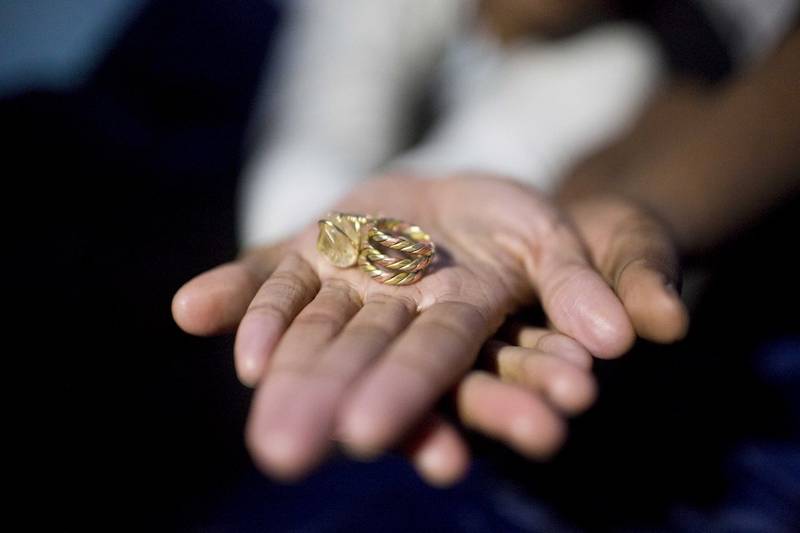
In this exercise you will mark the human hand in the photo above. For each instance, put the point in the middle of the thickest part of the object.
(363, 362)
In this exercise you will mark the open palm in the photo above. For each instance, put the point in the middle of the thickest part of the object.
(336, 355)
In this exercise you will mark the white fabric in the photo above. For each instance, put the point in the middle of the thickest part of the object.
(348, 73)
(352, 69)
(534, 110)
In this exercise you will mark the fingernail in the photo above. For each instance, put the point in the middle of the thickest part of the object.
(253, 344)
(248, 363)
(567, 349)
(562, 387)
(670, 286)
(357, 437)
(282, 456)
(431, 460)
(279, 448)
(522, 428)
(249, 371)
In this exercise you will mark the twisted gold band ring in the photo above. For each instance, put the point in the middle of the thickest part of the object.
(389, 250)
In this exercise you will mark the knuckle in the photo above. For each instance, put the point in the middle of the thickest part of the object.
(467, 318)
(318, 319)
(284, 285)
(269, 310)
(556, 343)
(371, 329)
(565, 285)
(341, 287)
(448, 328)
(395, 302)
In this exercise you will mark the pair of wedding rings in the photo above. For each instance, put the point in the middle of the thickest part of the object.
(389, 250)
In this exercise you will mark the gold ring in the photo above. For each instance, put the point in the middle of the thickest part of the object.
(401, 236)
(389, 250)
(340, 238)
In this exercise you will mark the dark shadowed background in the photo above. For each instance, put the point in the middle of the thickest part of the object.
(125, 124)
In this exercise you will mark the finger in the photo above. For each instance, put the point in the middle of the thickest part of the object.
(288, 438)
(547, 340)
(653, 303)
(510, 414)
(287, 291)
(436, 349)
(214, 302)
(567, 387)
(439, 453)
(369, 333)
(576, 299)
(636, 255)
(316, 326)
(295, 408)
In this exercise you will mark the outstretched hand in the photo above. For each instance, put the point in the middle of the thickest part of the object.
(335, 355)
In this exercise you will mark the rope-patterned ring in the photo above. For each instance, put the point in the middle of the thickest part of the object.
(409, 240)
(400, 236)
(389, 262)
(387, 276)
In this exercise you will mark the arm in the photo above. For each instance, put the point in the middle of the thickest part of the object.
(733, 156)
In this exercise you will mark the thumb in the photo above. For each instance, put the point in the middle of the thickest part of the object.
(214, 302)
(634, 252)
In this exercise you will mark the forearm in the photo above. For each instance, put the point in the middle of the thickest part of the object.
(739, 156)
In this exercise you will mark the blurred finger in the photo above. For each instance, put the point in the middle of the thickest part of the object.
(296, 405)
(315, 327)
(287, 291)
(367, 335)
(547, 340)
(214, 302)
(577, 300)
(438, 452)
(654, 305)
(436, 349)
(567, 387)
(287, 438)
(510, 414)
(635, 254)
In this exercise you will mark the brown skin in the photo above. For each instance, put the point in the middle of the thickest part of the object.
(707, 161)
(515, 19)
(335, 355)
(698, 165)
(537, 377)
